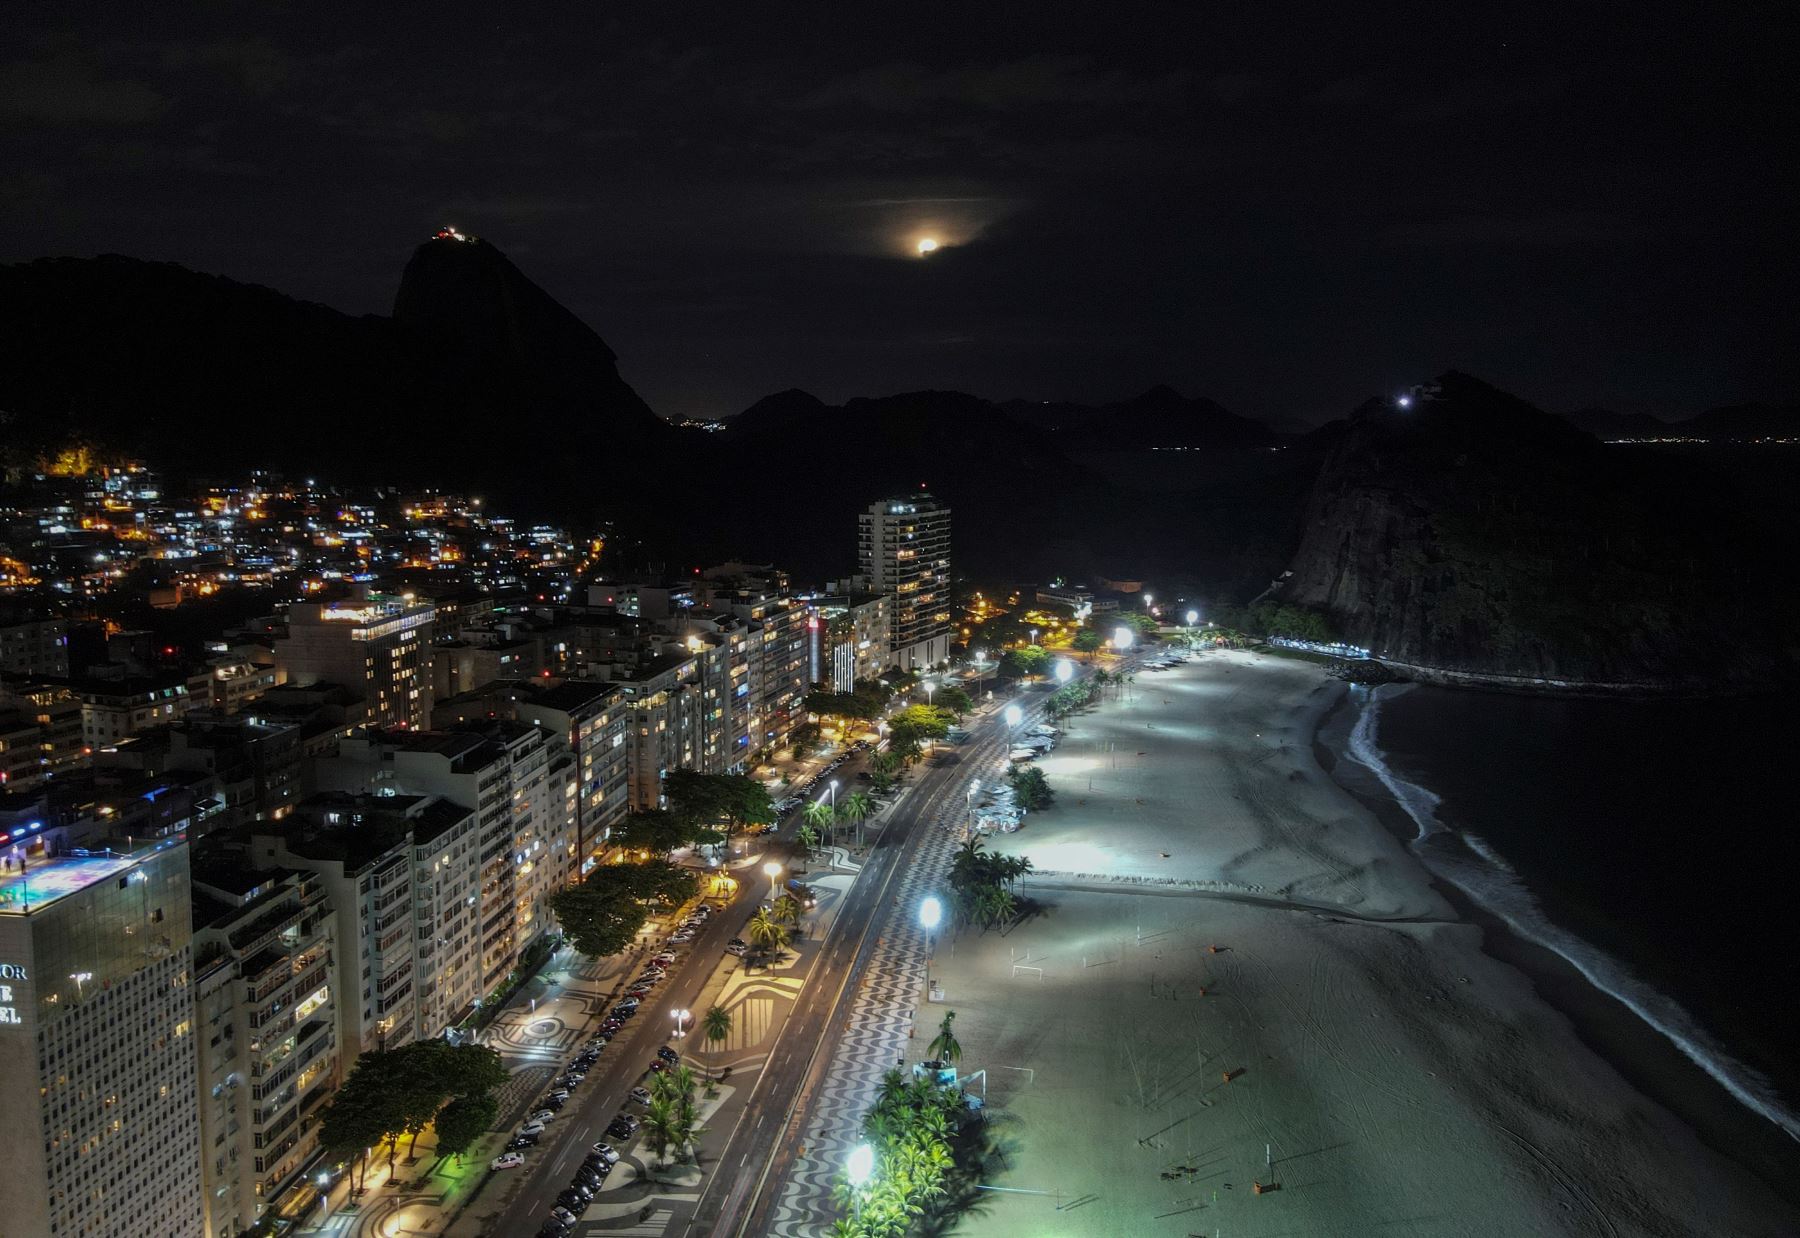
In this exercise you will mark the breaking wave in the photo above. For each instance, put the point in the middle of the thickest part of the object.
(1472, 866)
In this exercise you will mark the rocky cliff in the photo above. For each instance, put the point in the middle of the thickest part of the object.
(1474, 538)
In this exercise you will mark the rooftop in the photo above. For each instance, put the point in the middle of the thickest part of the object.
(51, 879)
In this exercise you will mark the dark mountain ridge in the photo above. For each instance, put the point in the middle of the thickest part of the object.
(1478, 539)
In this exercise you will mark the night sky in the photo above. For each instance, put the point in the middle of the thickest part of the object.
(1285, 209)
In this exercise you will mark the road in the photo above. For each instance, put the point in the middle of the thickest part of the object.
(755, 1159)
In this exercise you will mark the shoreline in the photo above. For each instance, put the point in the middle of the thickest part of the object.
(1642, 1055)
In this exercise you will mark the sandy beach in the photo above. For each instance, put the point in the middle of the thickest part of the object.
(1348, 1027)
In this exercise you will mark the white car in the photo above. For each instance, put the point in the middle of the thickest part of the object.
(541, 1117)
(508, 1160)
(606, 1150)
(640, 1095)
(531, 1128)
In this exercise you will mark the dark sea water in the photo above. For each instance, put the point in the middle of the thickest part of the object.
(1655, 846)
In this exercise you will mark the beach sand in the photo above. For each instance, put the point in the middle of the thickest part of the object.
(1403, 1081)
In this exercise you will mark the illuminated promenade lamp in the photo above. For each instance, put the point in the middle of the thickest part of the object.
(1193, 617)
(1065, 670)
(1014, 715)
(859, 1169)
(1122, 639)
(773, 871)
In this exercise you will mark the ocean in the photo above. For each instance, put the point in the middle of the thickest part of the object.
(1652, 845)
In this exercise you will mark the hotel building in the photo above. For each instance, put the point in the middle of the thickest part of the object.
(102, 1131)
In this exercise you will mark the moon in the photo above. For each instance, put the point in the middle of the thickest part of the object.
(927, 246)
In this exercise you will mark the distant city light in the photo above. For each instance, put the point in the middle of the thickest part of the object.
(927, 246)
(1405, 401)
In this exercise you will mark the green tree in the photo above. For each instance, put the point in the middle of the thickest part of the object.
(882, 783)
(659, 832)
(1087, 640)
(945, 1047)
(954, 699)
(359, 1117)
(464, 1120)
(884, 762)
(808, 838)
(606, 910)
(787, 909)
(1025, 661)
(767, 933)
(661, 1124)
(820, 816)
(1031, 787)
(715, 1024)
(856, 809)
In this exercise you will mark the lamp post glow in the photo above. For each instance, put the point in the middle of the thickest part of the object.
(1034, 633)
(681, 1018)
(931, 914)
(969, 804)
(773, 870)
(1193, 617)
(1122, 639)
(860, 1167)
(1065, 670)
(1014, 715)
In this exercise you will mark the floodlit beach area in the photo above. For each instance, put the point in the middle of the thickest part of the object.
(1234, 975)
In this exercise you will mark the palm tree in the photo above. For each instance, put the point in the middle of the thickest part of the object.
(715, 1025)
(661, 1123)
(945, 1047)
(820, 815)
(857, 807)
(767, 933)
(787, 909)
(808, 838)
(884, 763)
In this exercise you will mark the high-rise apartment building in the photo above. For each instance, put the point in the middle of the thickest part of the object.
(903, 548)
(375, 648)
(266, 1032)
(102, 1126)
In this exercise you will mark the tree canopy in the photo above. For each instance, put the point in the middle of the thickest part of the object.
(1025, 660)
(659, 831)
(603, 913)
(702, 799)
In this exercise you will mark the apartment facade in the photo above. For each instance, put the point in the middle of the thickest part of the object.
(903, 550)
(376, 648)
(266, 1036)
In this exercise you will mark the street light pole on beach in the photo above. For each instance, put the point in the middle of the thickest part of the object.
(773, 870)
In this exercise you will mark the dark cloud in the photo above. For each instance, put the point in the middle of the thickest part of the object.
(64, 91)
(1283, 213)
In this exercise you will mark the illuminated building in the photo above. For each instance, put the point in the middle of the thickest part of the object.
(266, 1033)
(375, 648)
(102, 1130)
(903, 548)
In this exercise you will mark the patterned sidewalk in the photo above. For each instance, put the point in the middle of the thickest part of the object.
(879, 1035)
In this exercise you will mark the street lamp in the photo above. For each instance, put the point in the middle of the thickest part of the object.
(969, 803)
(859, 1169)
(681, 1018)
(930, 687)
(1122, 639)
(773, 870)
(931, 913)
(1193, 617)
(832, 786)
(1148, 598)
(1065, 670)
(1034, 633)
(1014, 715)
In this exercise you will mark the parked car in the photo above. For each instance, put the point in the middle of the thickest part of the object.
(626, 1008)
(736, 947)
(665, 958)
(623, 1127)
(641, 989)
(558, 1094)
(518, 1143)
(552, 1228)
(657, 1067)
(573, 1200)
(531, 1130)
(639, 1096)
(507, 1160)
(605, 1151)
(564, 1215)
(541, 1116)
(668, 1055)
(552, 1103)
